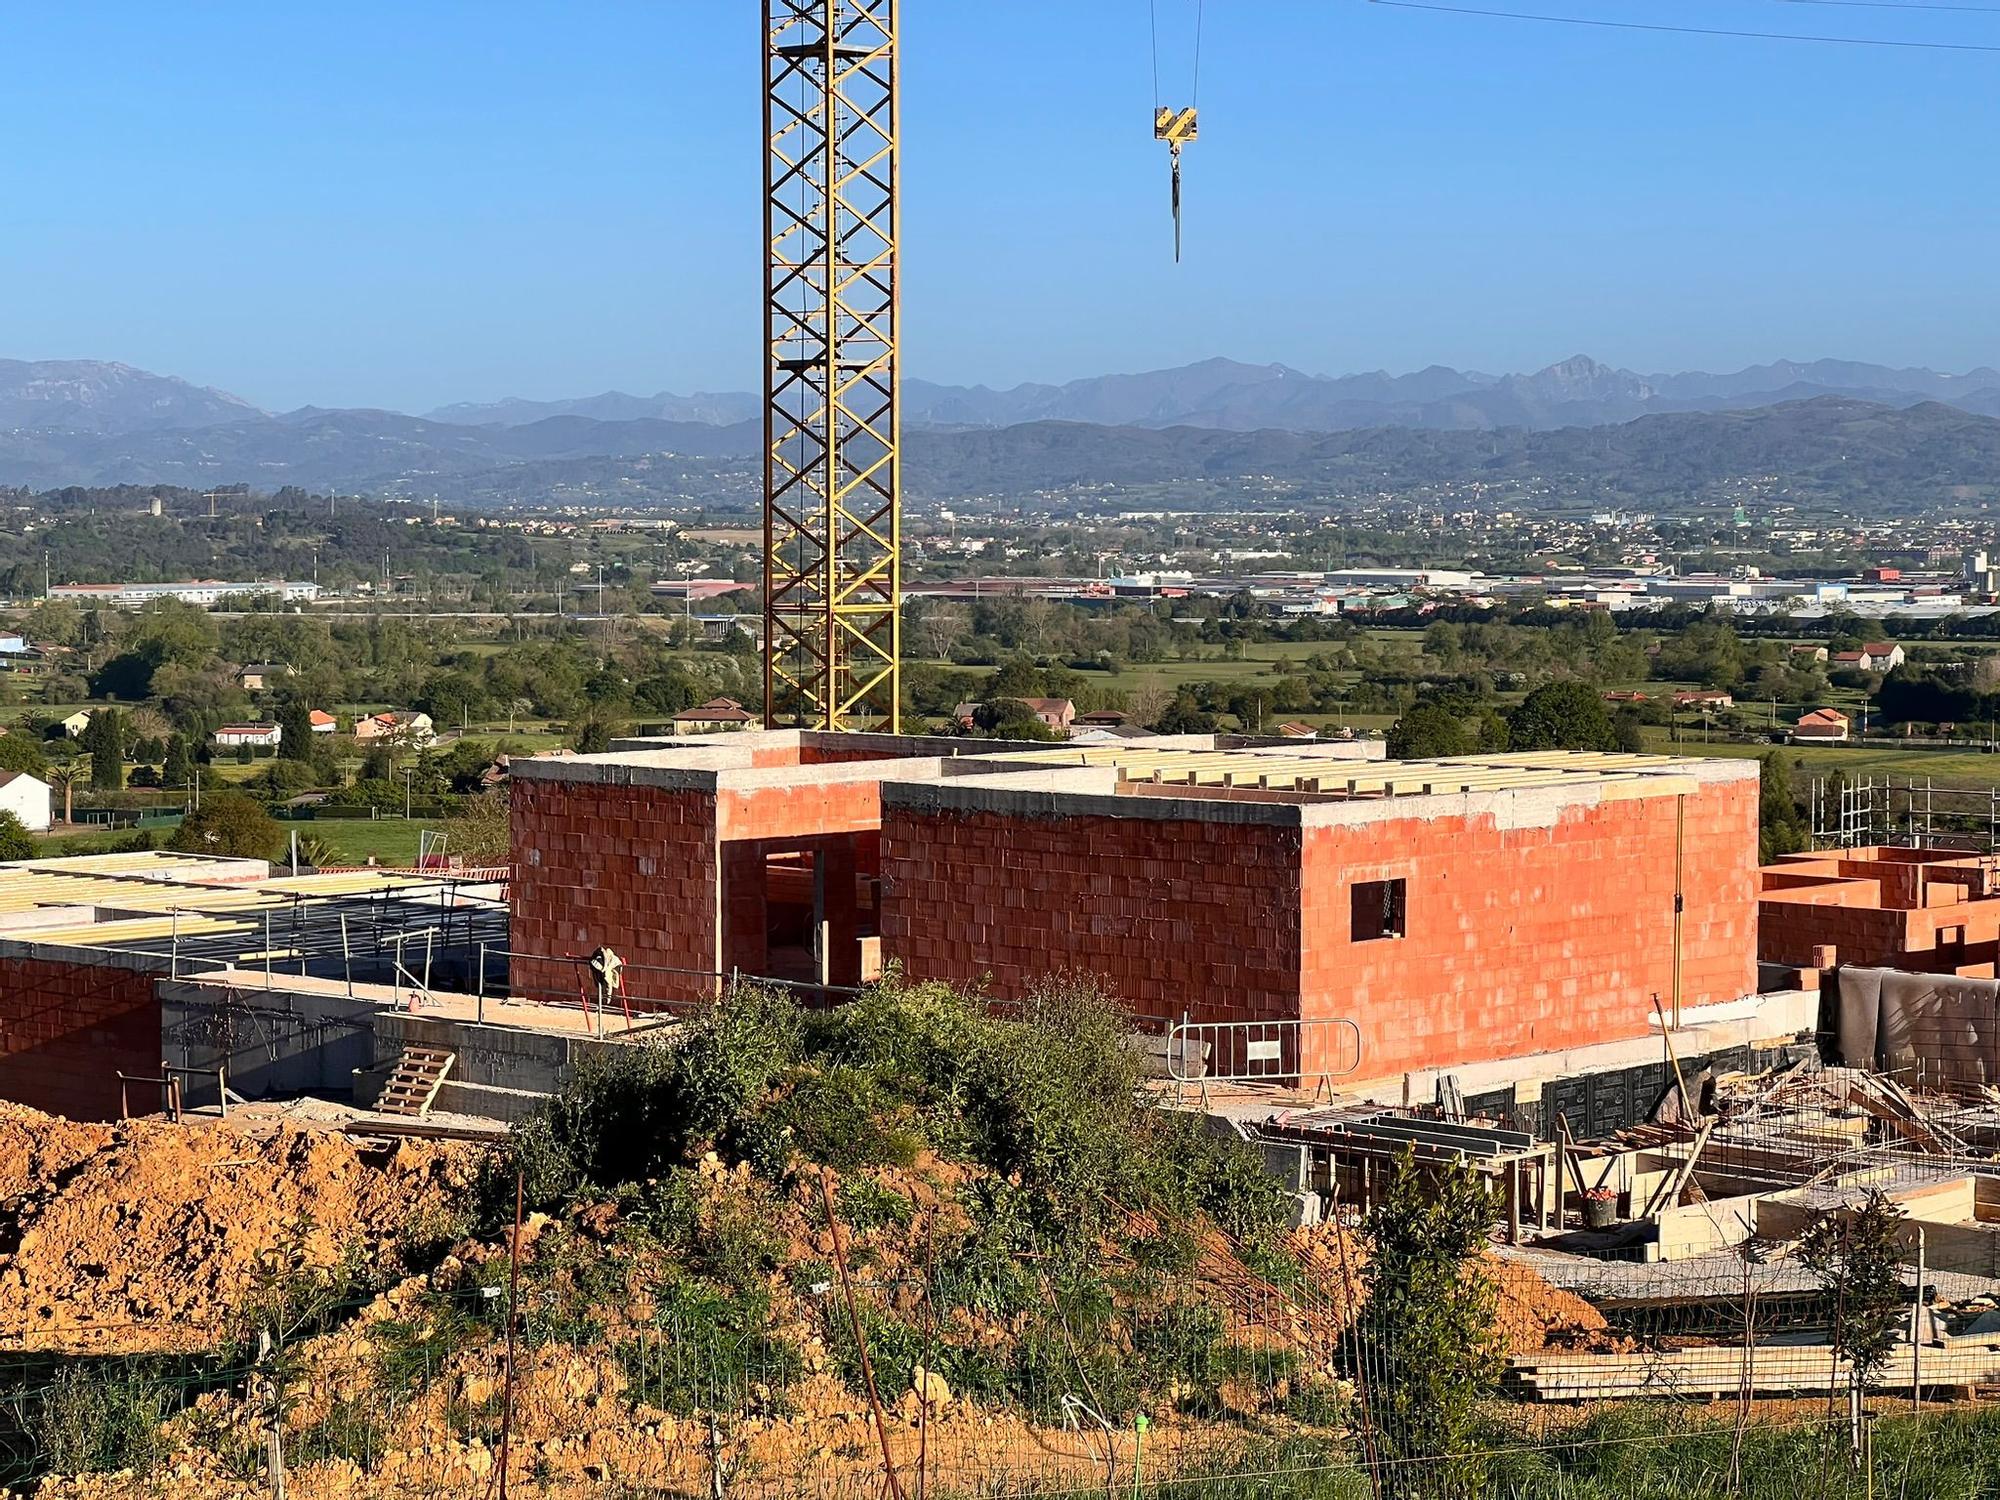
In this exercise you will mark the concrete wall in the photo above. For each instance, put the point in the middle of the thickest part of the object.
(69, 1025)
(497, 1072)
(270, 1042)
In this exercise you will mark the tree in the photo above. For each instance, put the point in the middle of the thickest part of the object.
(1780, 830)
(943, 625)
(1148, 701)
(15, 840)
(105, 740)
(1629, 729)
(478, 832)
(63, 777)
(178, 767)
(1009, 719)
(229, 823)
(20, 752)
(1561, 716)
(592, 736)
(295, 730)
(1426, 732)
(1428, 1327)
(1857, 1257)
(1185, 716)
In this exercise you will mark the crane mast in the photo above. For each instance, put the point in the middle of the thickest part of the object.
(832, 409)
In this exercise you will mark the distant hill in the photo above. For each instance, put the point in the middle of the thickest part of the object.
(351, 450)
(1578, 392)
(720, 408)
(1231, 396)
(1910, 437)
(86, 395)
(1831, 448)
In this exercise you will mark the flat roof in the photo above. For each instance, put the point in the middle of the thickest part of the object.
(1311, 770)
(204, 910)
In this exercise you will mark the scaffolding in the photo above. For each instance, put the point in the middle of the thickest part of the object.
(1914, 812)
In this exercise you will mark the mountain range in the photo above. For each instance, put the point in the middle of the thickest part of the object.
(1833, 429)
(1230, 396)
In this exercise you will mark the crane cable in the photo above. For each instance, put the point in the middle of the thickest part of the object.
(1175, 127)
(1763, 36)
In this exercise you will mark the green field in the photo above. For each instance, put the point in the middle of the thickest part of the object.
(353, 841)
(1947, 767)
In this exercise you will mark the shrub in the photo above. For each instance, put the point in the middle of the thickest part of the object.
(98, 1417)
(349, 1431)
(706, 1350)
(1428, 1333)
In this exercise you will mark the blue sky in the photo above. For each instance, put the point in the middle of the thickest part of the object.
(407, 204)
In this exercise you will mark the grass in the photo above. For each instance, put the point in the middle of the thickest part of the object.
(1947, 767)
(391, 841)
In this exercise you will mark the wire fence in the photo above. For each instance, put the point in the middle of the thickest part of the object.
(1186, 1369)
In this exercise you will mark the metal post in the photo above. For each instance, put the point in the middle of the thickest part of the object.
(479, 1003)
(1917, 1322)
(1680, 897)
(267, 947)
(430, 940)
(222, 1085)
(174, 921)
(346, 956)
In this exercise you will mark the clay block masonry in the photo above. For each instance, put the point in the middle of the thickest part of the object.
(1455, 912)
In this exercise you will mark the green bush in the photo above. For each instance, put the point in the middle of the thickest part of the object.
(349, 1431)
(706, 1350)
(845, 1118)
(95, 1417)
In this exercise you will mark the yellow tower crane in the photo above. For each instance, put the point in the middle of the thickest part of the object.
(832, 407)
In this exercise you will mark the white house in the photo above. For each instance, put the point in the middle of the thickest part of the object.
(1828, 725)
(229, 736)
(76, 723)
(27, 798)
(411, 727)
(322, 722)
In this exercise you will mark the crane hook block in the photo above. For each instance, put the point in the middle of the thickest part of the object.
(1174, 126)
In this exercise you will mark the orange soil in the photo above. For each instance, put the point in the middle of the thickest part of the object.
(145, 1236)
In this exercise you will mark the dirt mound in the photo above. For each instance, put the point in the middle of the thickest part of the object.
(144, 1236)
(1533, 1315)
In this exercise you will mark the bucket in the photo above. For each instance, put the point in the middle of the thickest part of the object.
(1600, 1213)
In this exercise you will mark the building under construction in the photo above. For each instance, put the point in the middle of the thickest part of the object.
(1415, 915)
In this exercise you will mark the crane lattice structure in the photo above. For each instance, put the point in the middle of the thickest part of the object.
(832, 411)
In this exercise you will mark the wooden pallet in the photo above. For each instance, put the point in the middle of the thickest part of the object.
(1722, 1370)
(413, 1084)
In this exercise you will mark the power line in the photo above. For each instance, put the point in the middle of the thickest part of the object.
(1760, 36)
(1983, 10)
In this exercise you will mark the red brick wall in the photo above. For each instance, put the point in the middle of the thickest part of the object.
(1517, 940)
(632, 866)
(68, 1029)
(1533, 939)
(1173, 915)
(802, 811)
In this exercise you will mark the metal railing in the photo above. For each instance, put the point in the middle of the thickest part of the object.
(586, 994)
(1273, 1052)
